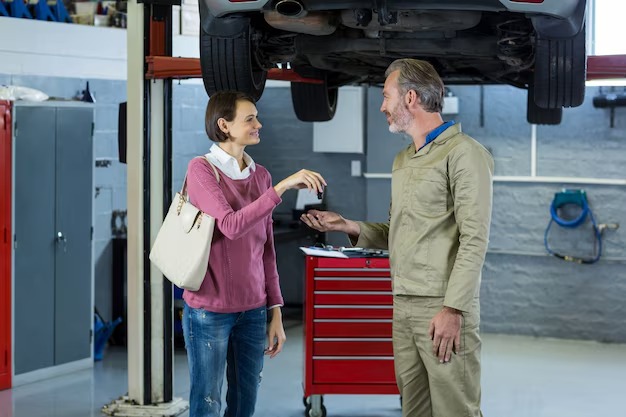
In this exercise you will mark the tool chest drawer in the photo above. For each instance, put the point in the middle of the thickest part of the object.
(348, 298)
(366, 328)
(352, 312)
(352, 347)
(357, 284)
(345, 265)
(347, 371)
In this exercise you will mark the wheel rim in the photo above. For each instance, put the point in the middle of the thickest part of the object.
(258, 74)
(333, 93)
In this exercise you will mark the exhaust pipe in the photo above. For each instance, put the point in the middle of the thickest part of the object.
(291, 16)
(290, 8)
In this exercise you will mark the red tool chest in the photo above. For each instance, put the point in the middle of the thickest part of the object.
(347, 329)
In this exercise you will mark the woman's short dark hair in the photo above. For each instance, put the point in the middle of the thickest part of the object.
(222, 104)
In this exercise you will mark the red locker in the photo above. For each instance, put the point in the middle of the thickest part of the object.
(5, 244)
(347, 329)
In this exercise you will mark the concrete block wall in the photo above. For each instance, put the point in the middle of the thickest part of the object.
(189, 139)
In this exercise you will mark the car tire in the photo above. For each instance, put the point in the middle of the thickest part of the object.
(560, 71)
(314, 102)
(228, 63)
(538, 115)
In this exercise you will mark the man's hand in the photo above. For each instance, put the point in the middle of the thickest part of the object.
(445, 332)
(328, 221)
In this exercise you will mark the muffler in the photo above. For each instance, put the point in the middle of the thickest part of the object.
(290, 8)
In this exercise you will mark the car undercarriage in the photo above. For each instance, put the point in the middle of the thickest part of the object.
(342, 43)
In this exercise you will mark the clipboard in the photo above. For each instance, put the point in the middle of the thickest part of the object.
(332, 252)
(327, 253)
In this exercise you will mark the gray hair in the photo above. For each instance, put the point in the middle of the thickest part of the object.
(421, 77)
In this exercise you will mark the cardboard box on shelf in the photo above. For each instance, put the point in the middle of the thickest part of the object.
(82, 19)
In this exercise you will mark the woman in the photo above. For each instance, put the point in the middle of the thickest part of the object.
(225, 321)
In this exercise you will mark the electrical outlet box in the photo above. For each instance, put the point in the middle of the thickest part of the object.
(356, 168)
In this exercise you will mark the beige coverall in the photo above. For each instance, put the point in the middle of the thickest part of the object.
(437, 238)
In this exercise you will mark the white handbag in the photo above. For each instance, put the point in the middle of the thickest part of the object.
(182, 246)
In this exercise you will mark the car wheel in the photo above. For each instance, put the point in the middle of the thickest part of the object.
(228, 62)
(538, 115)
(560, 71)
(314, 102)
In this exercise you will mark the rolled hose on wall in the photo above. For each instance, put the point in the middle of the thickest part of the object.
(578, 198)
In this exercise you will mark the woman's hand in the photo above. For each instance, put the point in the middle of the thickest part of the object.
(302, 179)
(275, 333)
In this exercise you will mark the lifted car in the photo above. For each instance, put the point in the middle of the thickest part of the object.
(534, 44)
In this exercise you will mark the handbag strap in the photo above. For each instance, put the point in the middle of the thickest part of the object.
(183, 190)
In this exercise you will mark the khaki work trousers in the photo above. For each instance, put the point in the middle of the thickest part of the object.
(430, 388)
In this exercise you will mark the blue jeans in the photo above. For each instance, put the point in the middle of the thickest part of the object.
(214, 340)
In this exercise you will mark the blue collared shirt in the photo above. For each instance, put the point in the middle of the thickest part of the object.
(436, 132)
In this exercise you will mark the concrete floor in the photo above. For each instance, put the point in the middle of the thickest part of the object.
(522, 377)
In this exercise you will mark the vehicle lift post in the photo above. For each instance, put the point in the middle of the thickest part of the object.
(149, 185)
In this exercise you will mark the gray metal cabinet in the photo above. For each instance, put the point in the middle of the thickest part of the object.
(52, 194)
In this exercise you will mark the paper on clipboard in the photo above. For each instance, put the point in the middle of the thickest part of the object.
(323, 252)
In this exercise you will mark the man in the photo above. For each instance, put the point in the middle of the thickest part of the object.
(437, 236)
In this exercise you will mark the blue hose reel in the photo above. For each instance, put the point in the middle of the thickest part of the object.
(573, 198)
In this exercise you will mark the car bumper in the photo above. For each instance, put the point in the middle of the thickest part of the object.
(556, 8)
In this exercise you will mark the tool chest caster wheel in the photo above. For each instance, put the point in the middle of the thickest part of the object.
(314, 406)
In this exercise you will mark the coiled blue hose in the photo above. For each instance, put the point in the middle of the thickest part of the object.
(579, 198)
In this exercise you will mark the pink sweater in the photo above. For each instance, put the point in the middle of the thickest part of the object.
(242, 271)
